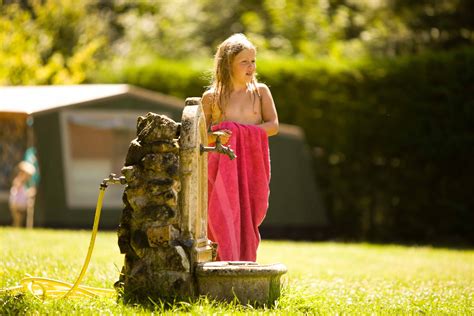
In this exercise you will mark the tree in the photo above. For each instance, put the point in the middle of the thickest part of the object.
(49, 42)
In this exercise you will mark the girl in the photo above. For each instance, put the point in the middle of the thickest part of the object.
(235, 95)
(243, 109)
(20, 194)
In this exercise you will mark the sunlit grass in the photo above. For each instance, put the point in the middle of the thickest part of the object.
(322, 278)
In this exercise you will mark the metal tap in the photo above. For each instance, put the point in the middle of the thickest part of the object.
(112, 179)
(226, 150)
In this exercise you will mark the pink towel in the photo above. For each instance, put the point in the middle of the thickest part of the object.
(238, 192)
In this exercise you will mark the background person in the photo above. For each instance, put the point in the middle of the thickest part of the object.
(32, 185)
(21, 194)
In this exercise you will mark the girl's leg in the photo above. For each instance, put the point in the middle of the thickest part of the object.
(16, 216)
(30, 212)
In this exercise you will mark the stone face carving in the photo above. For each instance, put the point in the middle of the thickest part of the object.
(148, 133)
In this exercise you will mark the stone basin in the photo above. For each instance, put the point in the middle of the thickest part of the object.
(248, 282)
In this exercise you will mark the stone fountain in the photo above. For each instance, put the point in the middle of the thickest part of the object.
(163, 228)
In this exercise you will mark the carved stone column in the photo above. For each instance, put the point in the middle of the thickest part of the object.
(157, 264)
(193, 176)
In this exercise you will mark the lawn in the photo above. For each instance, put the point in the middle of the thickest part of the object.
(323, 277)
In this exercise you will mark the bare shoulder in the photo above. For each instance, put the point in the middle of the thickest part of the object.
(263, 89)
(207, 99)
(207, 96)
(265, 94)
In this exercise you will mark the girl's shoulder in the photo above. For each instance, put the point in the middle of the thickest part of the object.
(209, 104)
(262, 87)
(209, 92)
(208, 96)
(263, 90)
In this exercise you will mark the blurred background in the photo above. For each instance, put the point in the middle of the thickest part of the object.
(382, 89)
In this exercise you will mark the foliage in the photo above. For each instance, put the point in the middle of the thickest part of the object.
(60, 41)
(391, 141)
(177, 78)
(394, 148)
(303, 29)
(49, 42)
(322, 278)
(155, 28)
(440, 24)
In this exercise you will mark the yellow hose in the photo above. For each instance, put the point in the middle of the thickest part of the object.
(43, 288)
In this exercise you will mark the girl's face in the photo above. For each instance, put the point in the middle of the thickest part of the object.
(243, 66)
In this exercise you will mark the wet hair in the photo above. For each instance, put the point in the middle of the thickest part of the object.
(222, 75)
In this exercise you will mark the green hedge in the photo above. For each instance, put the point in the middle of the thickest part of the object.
(392, 139)
(392, 142)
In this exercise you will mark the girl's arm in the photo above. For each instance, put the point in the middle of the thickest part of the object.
(206, 102)
(269, 114)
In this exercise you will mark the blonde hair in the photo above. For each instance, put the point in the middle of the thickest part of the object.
(222, 75)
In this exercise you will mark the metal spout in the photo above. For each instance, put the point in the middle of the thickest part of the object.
(219, 148)
(112, 179)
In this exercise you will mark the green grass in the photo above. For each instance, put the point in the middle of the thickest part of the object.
(323, 278)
